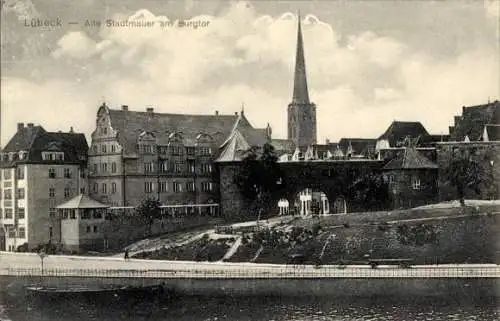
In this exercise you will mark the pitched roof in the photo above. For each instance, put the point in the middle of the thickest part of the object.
(34, 140)
(130, 124)
(357, 146)
(399, 130)
(81, 201)
(492, 132)
(283, 145)
(473, 120)
(409, 158)
(233, 148)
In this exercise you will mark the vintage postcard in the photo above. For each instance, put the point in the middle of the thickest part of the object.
(250, 160)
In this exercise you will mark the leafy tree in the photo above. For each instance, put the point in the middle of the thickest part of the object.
(370, 190)
(466, 174)
(148, 211)
(258, 176)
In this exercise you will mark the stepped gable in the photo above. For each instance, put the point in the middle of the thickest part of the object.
(399, 130)
(357, 146)
(410, 158)
(473, 120)
(130, 124)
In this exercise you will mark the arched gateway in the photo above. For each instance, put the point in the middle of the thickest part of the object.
(337, 179)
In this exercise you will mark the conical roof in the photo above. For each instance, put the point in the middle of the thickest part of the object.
(233, 148)
(82, 201)
(300, 91)
(410, 159)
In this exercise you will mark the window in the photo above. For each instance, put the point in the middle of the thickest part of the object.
(105, 130)
(113, 188)
(190, 186)
(51, 232)
(6, 173)
(176, 150)
(206, 186)
(20, 172)
(113, 148)
(177, 187)
(190, 151)
(12, 233)
(94, 149)
(82, 173)
(104, 167)
(104, 188)
(60, 156)
(67, 192)
(103, 148)
(191, 166)
(22, 232)
(52, 173)
(67, 173)
(52, 192)
(95, 228)
(82, 190)
(8, 213)
(94, 170)
(415, 182)
(20, 213)
(148, 187)
(97, 214)
(88, 229)
(206, 168)
(205, 151)
(178, 167)
(148, 167)
(52, 213)
(1, 213)
(20, 193)
(72, 214)
(7, 194)
(113, 167)
(164, 166)
(85, 215)
(163, 187)
(96, 188)
(391, 179)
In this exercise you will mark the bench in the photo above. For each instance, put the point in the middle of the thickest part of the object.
(403, 263)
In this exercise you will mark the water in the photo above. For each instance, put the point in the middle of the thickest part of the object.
(258, 309)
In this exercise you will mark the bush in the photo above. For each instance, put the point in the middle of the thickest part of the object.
(23, 248)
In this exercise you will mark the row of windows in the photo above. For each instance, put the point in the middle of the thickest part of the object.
(175, 150)
(67, 173)
(415, 182)
(7, 194)
(21, 232)
(104, 149)
(104, 188)
(7, 173)
(177, 187)
(103, 168)
(85, 215)
(10, 156)
(52, 156)
(67, 192)
(149, 167)
(21, 213)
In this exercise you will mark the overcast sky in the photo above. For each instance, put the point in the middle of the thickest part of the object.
(368, 62)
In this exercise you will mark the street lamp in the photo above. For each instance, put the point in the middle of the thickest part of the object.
(42, 255)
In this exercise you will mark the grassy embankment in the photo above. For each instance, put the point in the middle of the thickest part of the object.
(427, 236)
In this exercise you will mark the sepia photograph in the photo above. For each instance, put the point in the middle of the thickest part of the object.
(267, 160)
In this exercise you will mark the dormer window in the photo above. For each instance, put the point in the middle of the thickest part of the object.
(11, 156)
(22, 154)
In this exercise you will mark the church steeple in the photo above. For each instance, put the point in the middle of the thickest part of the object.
(300, 91)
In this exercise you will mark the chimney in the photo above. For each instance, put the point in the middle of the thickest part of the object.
(124, 107)
(327, 141)
(71, 129)
(30, 125)
(150, 110)
(216, 113)
(20, 126)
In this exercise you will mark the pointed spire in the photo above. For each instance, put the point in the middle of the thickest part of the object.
(300, 91)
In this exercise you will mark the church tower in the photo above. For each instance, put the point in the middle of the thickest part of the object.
(301, 112)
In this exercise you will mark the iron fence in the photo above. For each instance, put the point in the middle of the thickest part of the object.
(279, 272)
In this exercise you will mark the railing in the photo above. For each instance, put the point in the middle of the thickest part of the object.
(279, 272)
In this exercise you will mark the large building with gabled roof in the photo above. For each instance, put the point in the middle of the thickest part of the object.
(136, 155)
(39, 170)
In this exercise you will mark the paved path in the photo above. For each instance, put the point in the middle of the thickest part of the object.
(30, 264)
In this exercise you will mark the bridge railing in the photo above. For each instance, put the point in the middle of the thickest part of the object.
(288, 272)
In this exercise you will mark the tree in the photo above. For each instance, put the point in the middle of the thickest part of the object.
(466, 174)
(148, 211)
(370, 190)
(259, 175)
